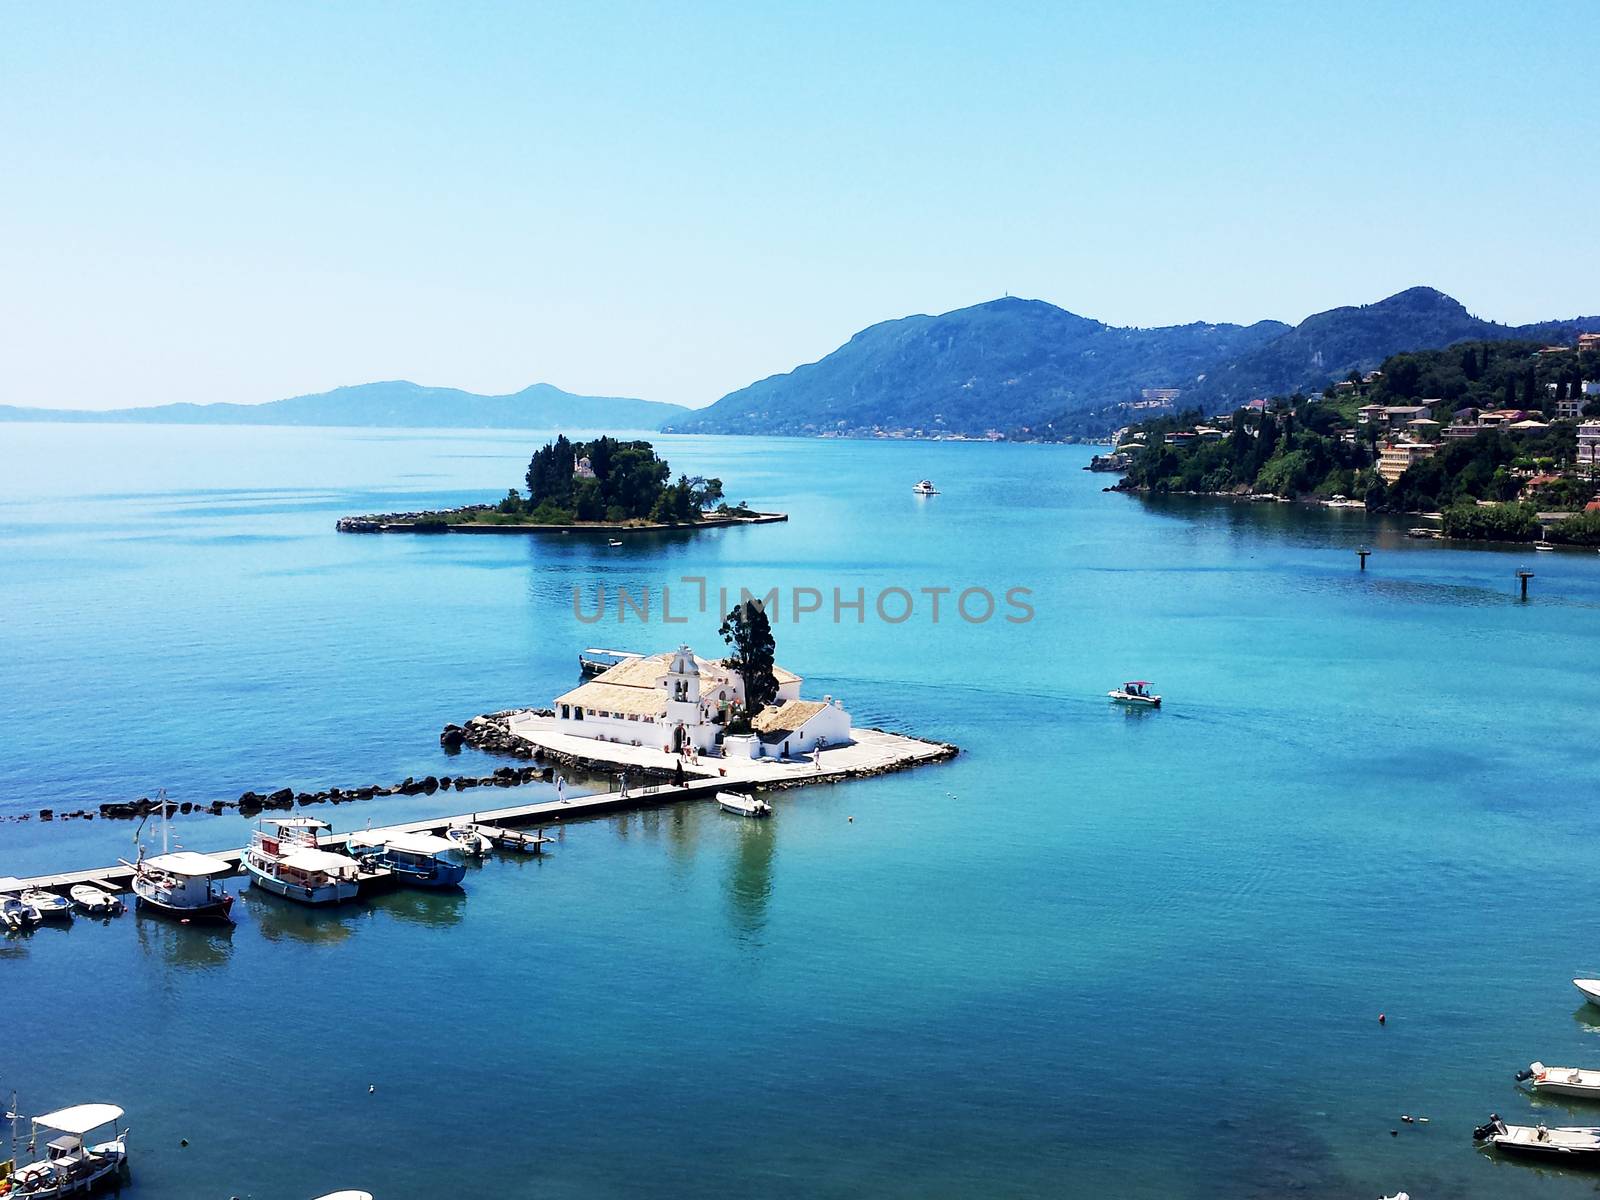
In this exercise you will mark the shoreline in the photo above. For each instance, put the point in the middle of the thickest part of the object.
(410, 523)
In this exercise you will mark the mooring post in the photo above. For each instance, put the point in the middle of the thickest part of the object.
(1362, 555)
(1524, 575)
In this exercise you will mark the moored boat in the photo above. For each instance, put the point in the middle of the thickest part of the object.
(49, 905)
(283, 858)
(1561, 1081)
(742, 805)
(182, 884)
(71, 1166)
(468, 840)
(1135, 691)
(94, 901)
(1590, 989)
(1571, 1144)
(16, 915)
(417, 859)
(346, 1195)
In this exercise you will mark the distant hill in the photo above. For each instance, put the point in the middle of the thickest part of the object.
(397, 404)
(1027, 368)
(1009, 365)
(1331, 344)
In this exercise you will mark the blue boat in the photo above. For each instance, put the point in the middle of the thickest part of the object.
(417, 859)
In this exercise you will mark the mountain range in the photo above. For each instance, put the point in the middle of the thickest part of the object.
(396, 404)
(1025, 368)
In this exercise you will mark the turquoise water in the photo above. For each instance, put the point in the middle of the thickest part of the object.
(1102, 953)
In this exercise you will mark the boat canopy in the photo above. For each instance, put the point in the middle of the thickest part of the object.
(421, 843)
(298, 823)
(1137, 683)
(189, 863)
(80, 1118)
(310, 860)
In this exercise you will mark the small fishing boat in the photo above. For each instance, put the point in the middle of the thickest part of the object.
(1577, 1145)
(1590, 989)
(72, 1167)
(48, 905)
(925, 488)
(15, 915)
(418, 859)
(94, 901)
(181, 884)
(1561, 1081)
(1135, 691)
(742, 805)
(468, 840)
(614, 543)
(283, 858)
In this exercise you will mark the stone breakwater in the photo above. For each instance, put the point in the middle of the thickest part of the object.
(488, 733)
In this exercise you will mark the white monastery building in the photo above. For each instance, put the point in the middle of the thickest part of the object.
(677, 701)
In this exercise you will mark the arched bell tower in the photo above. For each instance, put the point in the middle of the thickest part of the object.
(682, 682)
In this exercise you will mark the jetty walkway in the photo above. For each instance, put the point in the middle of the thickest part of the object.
(545, 812)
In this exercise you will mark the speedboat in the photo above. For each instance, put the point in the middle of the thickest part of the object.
(1135, 691)
(925, 488)
(468, 840)
(1572, 1144)
(1561, 1081)
(1590, 989)
(14, 914)
(283, 858)
(48, 905)
(71, 1167)
(418, 859)
(742, 805)
(614, 543)
(180, 885)
(95, 901)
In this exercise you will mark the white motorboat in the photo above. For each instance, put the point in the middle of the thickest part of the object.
(48, 905)
(16, 915)
(1590, 989)
(1561, 1081)
(1572, 1144)
(1135, 691)
(468, 840)
(615, 542)
(95, 901)
(72, 1167)
(925, 488)
(283, 858)
(360, 1196)
(742, 805)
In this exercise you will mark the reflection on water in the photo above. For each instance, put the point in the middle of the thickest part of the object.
(423, 906)
(750, 876)
(197, 946)
(1588, 1017)
(280, 919)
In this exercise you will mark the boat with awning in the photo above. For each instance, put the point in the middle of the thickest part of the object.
(71, 1166)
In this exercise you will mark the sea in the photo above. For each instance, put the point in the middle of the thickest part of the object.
(1224, 949)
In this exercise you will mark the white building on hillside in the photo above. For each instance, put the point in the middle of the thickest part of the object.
(679, 701)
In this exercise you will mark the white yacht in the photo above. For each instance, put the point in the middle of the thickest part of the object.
(71, 1167)
(925, 488)
(283, 858)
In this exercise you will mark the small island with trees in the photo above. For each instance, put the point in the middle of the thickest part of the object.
(606, 484)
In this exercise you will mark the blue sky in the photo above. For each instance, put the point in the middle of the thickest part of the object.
(242, 202)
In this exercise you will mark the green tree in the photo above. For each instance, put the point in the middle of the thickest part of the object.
(753, 651)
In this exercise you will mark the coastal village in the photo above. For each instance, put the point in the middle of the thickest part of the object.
(1529, 465)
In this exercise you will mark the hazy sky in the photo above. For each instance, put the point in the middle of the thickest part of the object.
(242, 202)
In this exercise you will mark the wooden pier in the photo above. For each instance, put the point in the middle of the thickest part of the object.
(504, 820)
